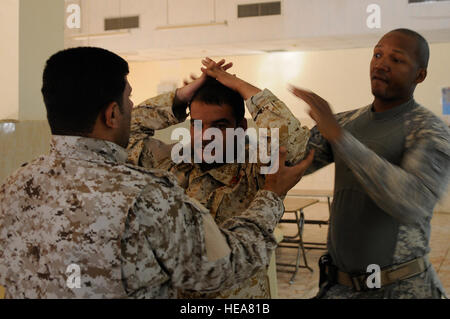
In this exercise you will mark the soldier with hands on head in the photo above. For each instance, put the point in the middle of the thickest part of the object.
(131, 232)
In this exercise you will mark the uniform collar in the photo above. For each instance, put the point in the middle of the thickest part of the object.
(227, 174)
(89, 149)
(394, 112)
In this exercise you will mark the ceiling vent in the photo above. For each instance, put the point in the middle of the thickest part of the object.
(121, 23)
(259, 9)
(422, 1)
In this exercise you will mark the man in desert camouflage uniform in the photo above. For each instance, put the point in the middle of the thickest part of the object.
(81, 223)
(224, 189)
(392, 166)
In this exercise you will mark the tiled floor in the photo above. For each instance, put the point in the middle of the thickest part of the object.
(305, 284)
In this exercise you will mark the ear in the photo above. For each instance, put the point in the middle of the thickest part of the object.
(112, 115)
(421, 75)
(243, 124)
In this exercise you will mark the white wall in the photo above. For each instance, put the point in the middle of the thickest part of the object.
(41, 35)
(31, 31)
(341, 77)
(9, 59)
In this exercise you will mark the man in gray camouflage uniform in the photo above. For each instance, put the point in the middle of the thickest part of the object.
(81, 223)
(392, 165)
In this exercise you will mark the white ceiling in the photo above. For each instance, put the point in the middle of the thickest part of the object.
(304, 25)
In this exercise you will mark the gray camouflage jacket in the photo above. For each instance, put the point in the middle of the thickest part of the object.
(404, 173)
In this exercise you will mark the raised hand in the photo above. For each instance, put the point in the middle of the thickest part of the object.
(186, 93)
(213, 69)
(287, 177)
(193, 78)
(321, 113)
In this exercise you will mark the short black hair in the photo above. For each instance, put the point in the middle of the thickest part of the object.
(214, 92)
(79, 83)
(422, 49)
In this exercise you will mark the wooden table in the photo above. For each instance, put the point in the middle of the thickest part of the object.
(296, 206)
(292, 204)
(313, 193)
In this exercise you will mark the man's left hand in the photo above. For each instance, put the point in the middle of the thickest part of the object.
(245, 89)
(321, 113)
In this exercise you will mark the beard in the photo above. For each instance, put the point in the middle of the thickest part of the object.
(382, 92)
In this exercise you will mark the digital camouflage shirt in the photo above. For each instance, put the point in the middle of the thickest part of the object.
(131, 232)
(225, 190)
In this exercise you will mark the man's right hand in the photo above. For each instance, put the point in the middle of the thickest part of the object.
(287, 177)
(186, 93)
